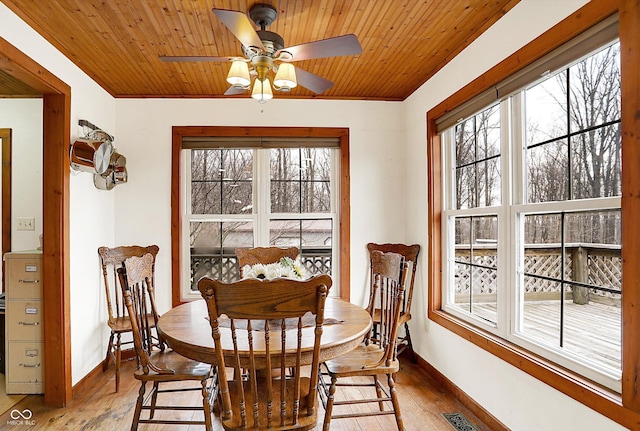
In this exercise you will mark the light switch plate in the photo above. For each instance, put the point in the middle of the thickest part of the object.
(26, 223)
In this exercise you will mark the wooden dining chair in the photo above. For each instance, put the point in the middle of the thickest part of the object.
(160, 366)
(410, 255)
(111, 259)
(265, 394)
(377, 357)
(264, 255)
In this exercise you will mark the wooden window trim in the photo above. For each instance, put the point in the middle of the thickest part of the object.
(178, 132)
(623, 409)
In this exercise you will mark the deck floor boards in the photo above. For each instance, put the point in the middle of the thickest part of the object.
(592, 330)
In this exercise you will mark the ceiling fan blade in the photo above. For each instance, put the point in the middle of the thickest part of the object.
(170, 58)
(233, 91)
(332, 47)
(240, 26)
(313, 82)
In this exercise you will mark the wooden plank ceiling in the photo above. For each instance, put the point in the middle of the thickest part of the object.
(11, 86)
(117, 42)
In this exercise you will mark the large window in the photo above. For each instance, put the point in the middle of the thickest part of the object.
(250, 191)
(532, 224)
(246, 197)
(562, 235)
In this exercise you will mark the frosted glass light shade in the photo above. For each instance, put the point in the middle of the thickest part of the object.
(239, 74)
(285, 79)
(262, 90)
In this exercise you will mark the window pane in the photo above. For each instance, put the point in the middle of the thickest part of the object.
(546, 110)
(543, 229)
(595, 89)
(541, 318)
(547, 172)
(573, 135)
(466, 187)
(597, 163)
(488, 188)
(572, 283)
(594, 311)
(477, 142)
(594, 227)
(488, 126)
(312, 237)
(465, 142)
(300, 180)
(544, 278)
(476, 282)
(221, 181)
(213, 247)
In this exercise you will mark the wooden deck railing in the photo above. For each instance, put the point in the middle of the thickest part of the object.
(593, 272)
(222, 264)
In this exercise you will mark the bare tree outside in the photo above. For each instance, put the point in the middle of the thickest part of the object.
(478, 160)
(221, 183)
(300, 180)
(574, 142)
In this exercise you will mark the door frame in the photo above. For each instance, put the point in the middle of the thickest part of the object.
(55, 214)
(5, 136)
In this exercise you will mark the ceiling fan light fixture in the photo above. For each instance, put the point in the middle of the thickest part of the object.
(262, 64)
(262, 90)
(264, 51)
(239, 74)
(285, 78)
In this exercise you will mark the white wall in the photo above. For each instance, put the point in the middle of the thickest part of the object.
(24, 118)
(519, 401)
(91, 210)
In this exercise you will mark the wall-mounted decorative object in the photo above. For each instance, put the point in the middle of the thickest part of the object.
(94, 153)
(115, 174)
(90, 155)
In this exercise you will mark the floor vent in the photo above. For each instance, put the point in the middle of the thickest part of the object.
(459, 422)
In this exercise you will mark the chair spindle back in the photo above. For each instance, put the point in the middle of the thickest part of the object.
(268, 317)
(410, 254)
(389, 275)
(139, 298)
(111, 259)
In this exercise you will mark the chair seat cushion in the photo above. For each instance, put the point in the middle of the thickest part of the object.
(362, 361)
(174, 367)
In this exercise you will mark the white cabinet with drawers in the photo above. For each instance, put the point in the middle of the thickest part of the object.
(24, 343)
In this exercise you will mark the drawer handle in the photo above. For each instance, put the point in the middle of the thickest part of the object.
(29, 323)
(29, 281)
(30, 366)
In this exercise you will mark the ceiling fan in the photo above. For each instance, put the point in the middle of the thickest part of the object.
(264, 51)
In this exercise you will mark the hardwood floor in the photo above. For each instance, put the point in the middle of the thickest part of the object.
(99, 408)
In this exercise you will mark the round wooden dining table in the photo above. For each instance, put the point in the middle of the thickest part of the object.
(187, 331)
